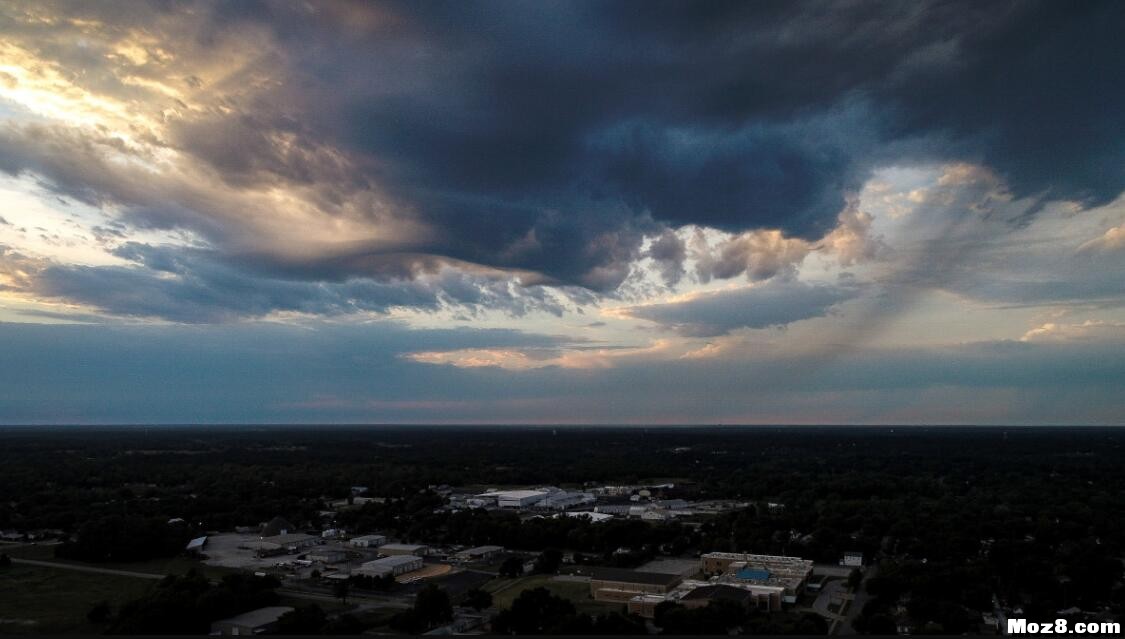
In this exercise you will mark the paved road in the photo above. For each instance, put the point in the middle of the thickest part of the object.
(833, 590)
(861, 597)
(104, 571)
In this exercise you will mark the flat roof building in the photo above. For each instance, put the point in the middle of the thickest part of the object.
(327, 556)
(620, 585)
(516, 498)
(761, 597)
(479, 553)
(789, 573)
(256, 622)
(403, 549)
(367, 541)
(394, 566)
(291, 541)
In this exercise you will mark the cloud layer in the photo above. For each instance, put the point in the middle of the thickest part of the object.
(795, 202)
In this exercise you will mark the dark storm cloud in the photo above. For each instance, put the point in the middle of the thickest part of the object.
(554, 138)
(734, 115)
(197, 286)
(774, 303)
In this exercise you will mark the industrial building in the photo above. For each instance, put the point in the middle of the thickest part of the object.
(327, 556)
(693, 593)
(620, 585)
(743, 569)
(515, 498)
(390, 550)
(394, 566)
(479, 553)
(368, 541)
(592, 516)
(763, 598)
(256, 622)
(563, 499)
(291, 542)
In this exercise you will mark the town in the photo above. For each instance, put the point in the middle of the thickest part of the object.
(208, 545)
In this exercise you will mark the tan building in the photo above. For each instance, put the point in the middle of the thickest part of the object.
(645, 605)
(620, 585)
(761, 597)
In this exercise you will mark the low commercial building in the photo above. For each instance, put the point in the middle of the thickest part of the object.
(263, 548)
(368, 541)
(515, 498)
(788, 573)
(256, 622)
(563, 499)
(620, 585)
(327, 556)
(750, 596)
(645, 605)
(394, 566)
(403, 549)
(291, 542)
(686, 568)
(479, 553)
(853, 559)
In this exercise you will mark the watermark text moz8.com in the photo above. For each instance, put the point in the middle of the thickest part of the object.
(1062, 627)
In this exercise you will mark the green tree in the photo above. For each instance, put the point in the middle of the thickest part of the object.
(855, 579)
(340, 590)
(512, 567)
(534, 611)
(432, 606)
(477, 599)
(304, 620)
(548, 561)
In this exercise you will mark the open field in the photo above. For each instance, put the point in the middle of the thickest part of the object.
(38, 600)
(504, 591)
(162, 566)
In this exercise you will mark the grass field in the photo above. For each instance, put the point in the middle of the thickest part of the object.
(504, 592)
(36, 600)
(166, 566)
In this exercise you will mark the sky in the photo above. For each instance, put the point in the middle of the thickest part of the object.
(585, 212)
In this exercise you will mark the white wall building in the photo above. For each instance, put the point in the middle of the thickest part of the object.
(368, 541)
(393, 566)
(516, 498)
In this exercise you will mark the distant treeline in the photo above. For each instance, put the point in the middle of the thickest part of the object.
(952, 516)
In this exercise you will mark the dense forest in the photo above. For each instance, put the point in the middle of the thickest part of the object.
(952, 516)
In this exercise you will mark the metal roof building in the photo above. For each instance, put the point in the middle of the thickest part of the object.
(394, 566)
(255, 622)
